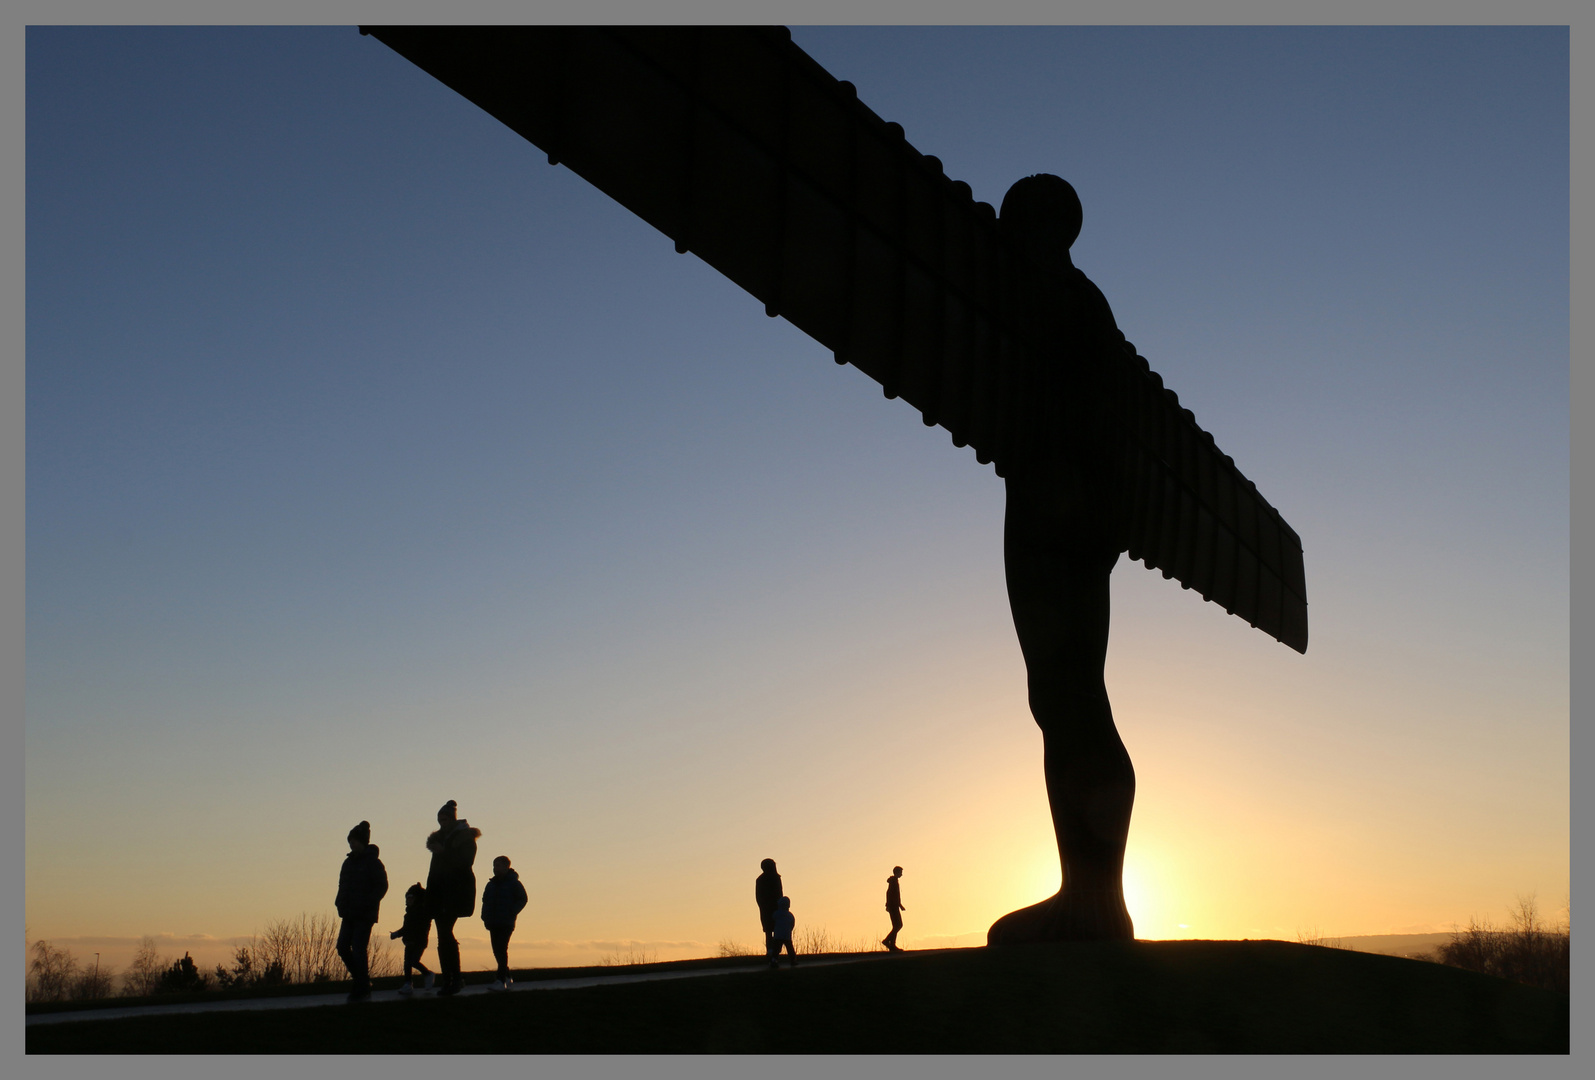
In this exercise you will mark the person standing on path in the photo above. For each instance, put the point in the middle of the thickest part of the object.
(502, 900)
(451, 888)
(781, 936)
(894, 909)
(362, 883)
(767, 893)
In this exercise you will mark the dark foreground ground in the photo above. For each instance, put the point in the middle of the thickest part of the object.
(1131, 997)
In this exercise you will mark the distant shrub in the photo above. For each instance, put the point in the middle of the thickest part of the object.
(630, 956)
(1314, 936)
(814, 940)
(729, 948)
(1529, 951)
(183, 977)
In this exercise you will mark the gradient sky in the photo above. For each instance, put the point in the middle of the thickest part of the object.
(373, 462)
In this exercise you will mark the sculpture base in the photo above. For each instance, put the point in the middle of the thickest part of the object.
(1078, 916)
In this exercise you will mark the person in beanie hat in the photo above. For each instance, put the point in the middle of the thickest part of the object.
(502, 900)
(451, 888)
(416, 930)
(362, 883)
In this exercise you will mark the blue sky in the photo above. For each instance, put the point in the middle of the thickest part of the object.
(374, 462)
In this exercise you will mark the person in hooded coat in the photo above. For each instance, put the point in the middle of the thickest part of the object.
(502, 900)
(451, 888)
(362, 883)
(894, 908)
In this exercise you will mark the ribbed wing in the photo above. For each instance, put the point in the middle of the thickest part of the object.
(738, 146)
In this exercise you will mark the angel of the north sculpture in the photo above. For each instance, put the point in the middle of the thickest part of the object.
(741, 148)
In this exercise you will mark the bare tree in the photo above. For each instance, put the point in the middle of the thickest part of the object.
(1529, 952)
(93, 982)
(305, 949)
(143, 976)
(380, 961)
(51, 973)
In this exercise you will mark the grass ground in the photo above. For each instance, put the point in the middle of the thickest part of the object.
(1122, 997)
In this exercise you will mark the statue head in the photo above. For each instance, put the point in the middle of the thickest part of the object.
(1041, 217)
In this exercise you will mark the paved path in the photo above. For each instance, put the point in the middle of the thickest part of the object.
(379, 996)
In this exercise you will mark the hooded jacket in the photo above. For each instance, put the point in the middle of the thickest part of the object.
(451, 883)
(502, 900)
(362, 883)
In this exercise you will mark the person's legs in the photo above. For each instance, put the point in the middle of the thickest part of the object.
(412, 961)
(448, 950)
(500, 936)
(890, 940)
(786, 943)
(1058, 562)
(354, 939)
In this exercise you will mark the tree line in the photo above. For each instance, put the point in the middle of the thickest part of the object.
(298, 950)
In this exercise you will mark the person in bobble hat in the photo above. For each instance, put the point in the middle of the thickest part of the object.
(451, 888)
(362, 883)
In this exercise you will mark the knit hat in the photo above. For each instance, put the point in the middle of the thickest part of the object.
(361, 832)
(446, 812)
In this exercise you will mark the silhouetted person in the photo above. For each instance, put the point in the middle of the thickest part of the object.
(362, 883)
(894, 908)
(767, 892)
(781, 935)
(502, 899)
(416, 930)
(1058, 550)
(451, 888)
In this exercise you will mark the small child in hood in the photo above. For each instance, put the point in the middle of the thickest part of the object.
(416, 930)
(781, 936)
(502, 899)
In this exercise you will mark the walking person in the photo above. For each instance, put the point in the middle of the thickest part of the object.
(894, 909)
(767, 893)
(502, 899)
(451, 888)
(362, 883)
(781, 936)
(416, 930)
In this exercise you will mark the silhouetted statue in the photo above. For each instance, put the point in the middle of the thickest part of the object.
(737, 145)
(767, 894)
(362, 883)
(451, 888)
(894, 908)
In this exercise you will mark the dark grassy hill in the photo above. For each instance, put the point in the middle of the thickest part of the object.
(1135, 997)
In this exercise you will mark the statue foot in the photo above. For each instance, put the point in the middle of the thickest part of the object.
(1077, 915)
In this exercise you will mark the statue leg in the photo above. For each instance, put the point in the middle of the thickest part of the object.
(1058, 566)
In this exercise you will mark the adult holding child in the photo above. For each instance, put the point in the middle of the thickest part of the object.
(451, 888)
(362, 883)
